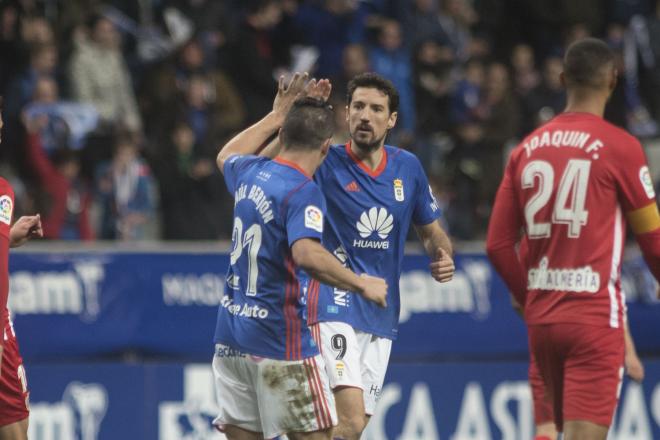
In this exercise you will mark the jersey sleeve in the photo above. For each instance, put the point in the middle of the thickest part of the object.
(233, 167)
(305, 213)
(426, 208)
(6, 207)
(633, 179)
(6, 213)
(504, 231)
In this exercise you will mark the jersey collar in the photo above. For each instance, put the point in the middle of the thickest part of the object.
(295, 166)
(373, 173)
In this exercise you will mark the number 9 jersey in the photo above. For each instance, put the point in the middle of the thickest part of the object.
(569, 185)
(275, 204)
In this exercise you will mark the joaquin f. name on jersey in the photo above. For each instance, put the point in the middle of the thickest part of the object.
(369, 214)
(275, 204)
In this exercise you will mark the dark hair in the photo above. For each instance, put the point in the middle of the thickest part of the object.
(309, 123)
(372, 80)
(585, 61)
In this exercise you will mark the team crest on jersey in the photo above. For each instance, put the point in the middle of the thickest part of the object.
(398, 190)
(647, 182)
(6, 208)
(314, 218)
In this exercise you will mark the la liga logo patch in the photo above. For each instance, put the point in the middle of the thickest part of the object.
(6, 207)
(314, 218)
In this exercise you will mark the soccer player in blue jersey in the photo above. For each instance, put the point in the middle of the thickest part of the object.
(270, 378)
(373, 192)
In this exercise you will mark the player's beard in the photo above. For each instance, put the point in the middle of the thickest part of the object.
(368, 147)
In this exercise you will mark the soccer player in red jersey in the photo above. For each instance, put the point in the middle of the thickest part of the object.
(13, 386)
(569, 184)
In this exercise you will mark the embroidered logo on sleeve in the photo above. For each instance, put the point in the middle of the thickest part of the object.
(6, 208)
(314, 218)
(647, 182)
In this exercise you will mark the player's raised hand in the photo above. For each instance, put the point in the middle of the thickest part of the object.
(374, 289)
(634, 367)
(318, 89)
(442, 266)
(288, 93)
(25, 228)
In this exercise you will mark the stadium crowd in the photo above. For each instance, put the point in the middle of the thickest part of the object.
(114, 111)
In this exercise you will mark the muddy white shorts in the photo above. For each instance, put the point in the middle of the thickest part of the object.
(354, 358)
(271, 396)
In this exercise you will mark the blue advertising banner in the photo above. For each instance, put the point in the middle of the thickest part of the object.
(456, 400)
(73, 305)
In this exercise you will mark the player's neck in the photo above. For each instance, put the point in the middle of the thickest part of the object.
(594, 104)
(371, 159)
(305, 161)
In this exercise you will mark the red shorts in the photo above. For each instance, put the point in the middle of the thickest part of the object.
(14, 395)
(542, 402)
(582, 368)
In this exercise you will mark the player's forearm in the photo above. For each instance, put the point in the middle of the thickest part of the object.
(629, 343)
(251, 139)
(322, 266)
(433, 237)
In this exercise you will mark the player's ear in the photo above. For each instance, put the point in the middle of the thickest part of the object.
(391, 122)
(562, 79)
(614, 74)
(325, 147)
(347, 115)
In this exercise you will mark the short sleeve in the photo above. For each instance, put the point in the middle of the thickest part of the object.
(6, 207)
(633, 178)
(305, 213)
(233, 167)
(426, 208)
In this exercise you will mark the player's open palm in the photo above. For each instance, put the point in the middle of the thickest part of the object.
(442, 266)
(288, 93)
(375, 289)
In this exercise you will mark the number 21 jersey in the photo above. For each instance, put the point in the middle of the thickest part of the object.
(275, 204)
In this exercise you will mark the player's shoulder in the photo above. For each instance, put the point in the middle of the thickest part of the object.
(399, 154)
(5, 187)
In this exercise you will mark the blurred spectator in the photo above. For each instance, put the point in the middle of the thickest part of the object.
(433, 85)
(43, 63)
(499, 111)
(547, 99)
(191, 191)
(99, 76)
(253, 61)
(468, 92)
(355, 61)
(124, 189)
(421, 23)
(331, 25)
(456, 17)
(67, 122)
(10, 43)
(65, 210)
(525, 75)
(212, 89)
(391, 59)
(651, 72)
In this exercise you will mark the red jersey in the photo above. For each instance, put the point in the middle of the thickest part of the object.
(6, 212)
(568, 184)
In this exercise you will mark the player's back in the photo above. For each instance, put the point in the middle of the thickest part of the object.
(261, 312)
(574, 178)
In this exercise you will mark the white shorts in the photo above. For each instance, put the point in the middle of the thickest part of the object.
(271, 396)
(354, 358)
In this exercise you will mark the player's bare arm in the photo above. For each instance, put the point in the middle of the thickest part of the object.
(252, 138)
(324, 267)
(438, 247)
(634, 366)
(25, 228)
